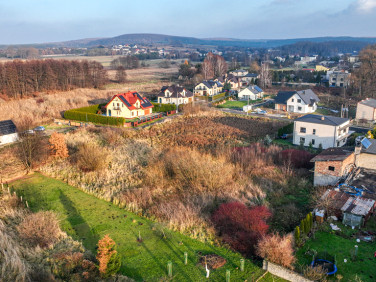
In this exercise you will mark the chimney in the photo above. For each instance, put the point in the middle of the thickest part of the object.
(322, 118)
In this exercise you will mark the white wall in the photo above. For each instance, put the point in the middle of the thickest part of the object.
(10, 138)
(245, 93)
(327, 135)
(299, 107)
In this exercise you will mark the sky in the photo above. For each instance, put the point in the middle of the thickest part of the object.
(41, 21)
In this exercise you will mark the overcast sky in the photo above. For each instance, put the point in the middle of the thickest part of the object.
(38, 21)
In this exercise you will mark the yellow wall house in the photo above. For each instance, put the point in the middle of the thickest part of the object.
(321, 68)
(129, 105)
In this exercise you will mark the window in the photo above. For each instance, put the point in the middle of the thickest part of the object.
(132, 114)
(302, 140)
(341, 84)
(314, 131)
(299, 100)
(303, 130)
(313, 142)
(341, 79)
(331, 168)
(292, 100)
(299, 108)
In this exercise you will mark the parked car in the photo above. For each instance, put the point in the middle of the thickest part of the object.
(39, 128)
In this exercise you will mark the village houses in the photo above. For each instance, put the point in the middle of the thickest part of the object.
(8, 132)
(208, 88)
(128, 105)
(252, 92)
(175, 95)
(304, 101)
(314, 130)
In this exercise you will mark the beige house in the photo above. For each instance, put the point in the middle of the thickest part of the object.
(208, 88)
(366, 110)
(175, 95)
(325, 130)
(128, 105)
(366, 154)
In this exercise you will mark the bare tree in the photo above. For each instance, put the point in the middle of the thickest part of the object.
(121, 75)
(220, 66)
(207, 70)
(265, 76)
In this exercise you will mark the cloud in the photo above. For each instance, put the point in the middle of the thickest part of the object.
(365, 6)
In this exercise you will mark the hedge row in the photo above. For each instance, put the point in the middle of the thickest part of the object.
(288, 129)
(220, 95)
(163, 108)
(90, 109)
(90, 117)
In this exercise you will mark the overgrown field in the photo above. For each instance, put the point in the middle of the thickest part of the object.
(146, 246)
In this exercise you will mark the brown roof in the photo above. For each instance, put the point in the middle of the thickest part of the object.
(333, 154)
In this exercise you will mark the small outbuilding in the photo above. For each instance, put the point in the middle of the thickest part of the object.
(8, 132)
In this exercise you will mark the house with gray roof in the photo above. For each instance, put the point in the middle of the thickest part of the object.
(303, 101)
(252, 92)
(366, 110)
(175, 94)
(208, 88)
(328, 131)
(8, 132)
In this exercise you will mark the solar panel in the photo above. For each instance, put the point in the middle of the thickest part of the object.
(366, 143)
(258, 88)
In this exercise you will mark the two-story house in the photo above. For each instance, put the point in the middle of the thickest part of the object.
(303, 101)
(325, 130)
(338, 78)
(208, 88)
(128, 105)
(252, 92)
(175, 95)
(366, 110)
(239, 73)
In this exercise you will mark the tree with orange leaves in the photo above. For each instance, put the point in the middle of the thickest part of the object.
(58, 146)
(109, 259)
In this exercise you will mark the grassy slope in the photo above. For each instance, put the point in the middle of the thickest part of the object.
(85, 217)
(364, 266)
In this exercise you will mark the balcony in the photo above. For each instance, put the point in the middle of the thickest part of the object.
(116, 108)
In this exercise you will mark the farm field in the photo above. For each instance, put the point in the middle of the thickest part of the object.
(341, 247)
(87, 218)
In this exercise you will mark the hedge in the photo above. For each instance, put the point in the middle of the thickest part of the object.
(220, 95)
(163, 108)
(90, 109)
(90, 117)
(288, 129)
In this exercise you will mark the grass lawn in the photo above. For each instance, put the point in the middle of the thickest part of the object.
(284, 143)
(364, 266)
(88, 218)
(238, 104)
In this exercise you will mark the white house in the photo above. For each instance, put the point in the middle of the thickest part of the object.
(303, 101)
(239, 73)
(8, 132)
(208, 88)
(366, 110)
(252, 92)
(175, 95)
(325, 130)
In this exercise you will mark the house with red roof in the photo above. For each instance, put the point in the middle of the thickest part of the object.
(129, 105)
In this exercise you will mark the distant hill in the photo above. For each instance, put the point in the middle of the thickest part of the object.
(147, 39)
(160, 39)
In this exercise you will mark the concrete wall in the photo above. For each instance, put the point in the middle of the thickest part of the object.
(365, 112)
(366, 161)
(284, 273)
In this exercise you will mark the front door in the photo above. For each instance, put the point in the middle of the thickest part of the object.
(109, 112)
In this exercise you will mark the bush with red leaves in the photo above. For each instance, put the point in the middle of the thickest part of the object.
(297, 158)
(241, 227)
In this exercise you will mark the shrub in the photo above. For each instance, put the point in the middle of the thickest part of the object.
(218, 96)
(91, 157)
(317, 273)
(297, 235)
(297, 158)
(58, 146)
(108, 257)
(163, 108)
(78, 115)
(277, 249)
(241, 227)
(288, 129)
(41, 228)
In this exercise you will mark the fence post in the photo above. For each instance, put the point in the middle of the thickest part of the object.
(241, 264)
(169, 269)
(228, 275)
(185, 258)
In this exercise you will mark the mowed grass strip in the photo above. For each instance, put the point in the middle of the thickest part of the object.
(363, 267)
(88, 218)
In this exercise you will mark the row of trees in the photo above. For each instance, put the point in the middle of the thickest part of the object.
(364, 78)
(213, 66)
(19, 79)
(127, 62)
